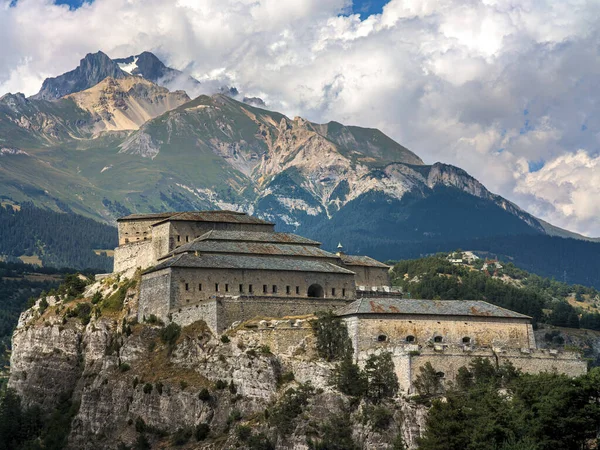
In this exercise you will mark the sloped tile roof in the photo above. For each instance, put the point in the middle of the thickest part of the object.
(398, 306)
(215, 216)
(220, 261)
(156, 216)
(256, 236)
(253, 248)
(355, 260)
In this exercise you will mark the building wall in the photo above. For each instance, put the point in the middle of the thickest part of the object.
(229, 281)
(134, 230)
(129, 257)
(483, 331)
(370, 276)
(155, 295)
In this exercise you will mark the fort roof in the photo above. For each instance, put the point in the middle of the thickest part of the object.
(254, 248)
(156, 216)
(355, 260)
(256, 236)
(399, 306)
(214, 216)
(222, 261)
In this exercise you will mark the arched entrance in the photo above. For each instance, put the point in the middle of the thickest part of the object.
(315, 290)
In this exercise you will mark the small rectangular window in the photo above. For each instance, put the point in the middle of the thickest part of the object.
(178, 238)
(241, 288)
(333, 292)
(226, 287)
(200, 287)
(297, 290)
(250, 289)
(274, 289)
(343, 292)
(187, 239)
(264, 288)
(288, 290)
(187, 287)
(217, 287)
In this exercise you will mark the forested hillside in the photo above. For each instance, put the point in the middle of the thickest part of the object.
(546, 300)
(58, 239)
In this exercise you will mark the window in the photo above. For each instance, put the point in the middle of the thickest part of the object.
(264, 288)
(297, 290)
(410, 339)
(187, 239)
(226, 287)
(241, 288)
(200, 287)
(217, 287)
(333, 292)
(187, 287)
(440, 374)
(274, 289)
(288, 289)
(437, 339)
(178, 238)
(382, 338)
(250, 289)
(315, 290)
(343, 292)
(466, 340)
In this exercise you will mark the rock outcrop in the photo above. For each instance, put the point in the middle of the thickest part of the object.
(129, 378)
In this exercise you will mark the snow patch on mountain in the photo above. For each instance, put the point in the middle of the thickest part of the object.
(129, 67)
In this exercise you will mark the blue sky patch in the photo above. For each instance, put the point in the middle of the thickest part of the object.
(368, 7)
(534, 166)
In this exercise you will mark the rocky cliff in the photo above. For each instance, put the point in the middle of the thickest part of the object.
(129, 380)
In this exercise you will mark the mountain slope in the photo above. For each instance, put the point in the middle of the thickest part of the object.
(126, 103)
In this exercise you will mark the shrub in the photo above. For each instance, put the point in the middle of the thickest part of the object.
(43, 305)
(380, 418)
(140, 425)
(183, 384)
(251, 353)
(232, 388)
(136, 381)
(284, 378)
(220, 385)
(142, 443)
(96, 298)
(204, 395)
(170, 334)
(333, 342)
(265, 350)
(159, 388)
(83, 312)
(148, 388)
(291, 405)
(349, 379)
(124, 367)
(427, 382)
(234, 416)
(243, 432)
(202, 431)
(181, 436)
(336, 433)
(259, 442)
(225, 339)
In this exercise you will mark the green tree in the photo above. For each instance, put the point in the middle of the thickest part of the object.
(333, 342)
(381, 378)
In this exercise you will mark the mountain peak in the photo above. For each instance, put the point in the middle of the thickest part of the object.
(92, 69)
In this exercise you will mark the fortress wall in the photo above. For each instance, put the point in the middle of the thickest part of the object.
(409, 359)
(207, 310)
(155, 292)
(282, 336)
(161, 239)
(483, 331)
(370, 276)
(229, 281)
(129, 257)
(134, 230)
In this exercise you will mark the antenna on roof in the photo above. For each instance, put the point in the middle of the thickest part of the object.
(340, 249)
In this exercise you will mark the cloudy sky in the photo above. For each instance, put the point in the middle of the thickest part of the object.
(505, 89)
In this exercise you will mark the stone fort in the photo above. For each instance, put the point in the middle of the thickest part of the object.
(226, 267)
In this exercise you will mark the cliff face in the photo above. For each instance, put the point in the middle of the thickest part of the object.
(128, 380)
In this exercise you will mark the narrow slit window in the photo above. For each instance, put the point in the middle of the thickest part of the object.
(264, 288)
(288, 290)
(250, 289)
(217, 287)
(297, 290)
(241, 288)
(343, 292)
(274, 289)
(187, 287)
(200, 286)
(333, 292)
(178, 238)
(187, 239)
(226, 287)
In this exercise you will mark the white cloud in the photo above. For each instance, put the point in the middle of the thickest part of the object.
(490, 86)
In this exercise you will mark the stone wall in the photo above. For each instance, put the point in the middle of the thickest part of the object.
(155, 295)
(129, 257)
(382, 331)
(192, 285)
(370, 276)
(135, 230)
(408, 360)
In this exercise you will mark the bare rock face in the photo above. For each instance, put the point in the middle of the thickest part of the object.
(127, 380)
